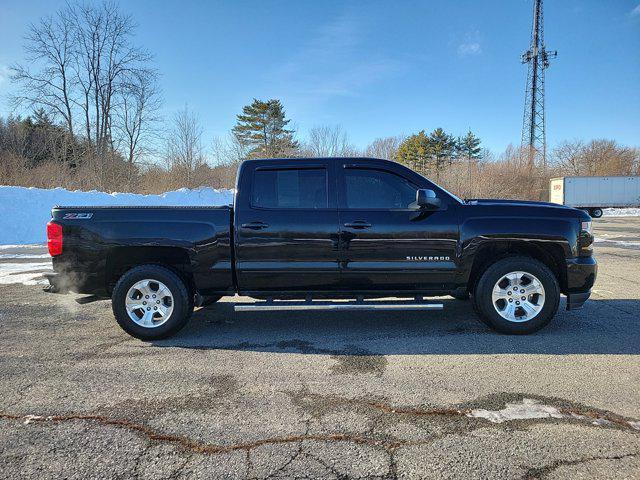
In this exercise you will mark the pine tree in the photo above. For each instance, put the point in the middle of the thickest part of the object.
(415, 152)
(443, 148)
(469, 147)
(262, 128)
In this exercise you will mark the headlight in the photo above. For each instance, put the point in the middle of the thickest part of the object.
(585, 239)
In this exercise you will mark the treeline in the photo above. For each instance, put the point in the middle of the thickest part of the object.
(95, 124)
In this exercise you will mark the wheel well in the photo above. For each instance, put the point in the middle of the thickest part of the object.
(121, 259)
(550, 255)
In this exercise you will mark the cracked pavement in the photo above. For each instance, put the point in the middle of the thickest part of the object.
(324, 395)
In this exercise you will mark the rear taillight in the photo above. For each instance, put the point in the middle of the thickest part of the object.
(54, 238)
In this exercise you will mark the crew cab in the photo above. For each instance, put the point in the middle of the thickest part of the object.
(336, 233)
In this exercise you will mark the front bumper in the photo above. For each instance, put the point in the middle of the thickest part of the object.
(581, 275)
(576, 300)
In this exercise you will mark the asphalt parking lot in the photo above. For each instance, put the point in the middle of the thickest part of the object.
(326, 395)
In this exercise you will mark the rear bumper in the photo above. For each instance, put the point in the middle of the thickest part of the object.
(581, 275)
(62, 282)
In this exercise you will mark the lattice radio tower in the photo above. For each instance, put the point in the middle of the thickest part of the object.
(533, 128)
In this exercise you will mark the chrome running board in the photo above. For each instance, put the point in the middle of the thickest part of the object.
(271, 305)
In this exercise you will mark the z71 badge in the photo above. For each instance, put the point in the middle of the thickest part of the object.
(77, 216)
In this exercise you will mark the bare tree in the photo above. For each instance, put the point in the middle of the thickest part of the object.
(567, 156)
(185, 154)
(598, 157)
(84, 67)
(229, 150)
(386, 147)
(139, 117)
(46, 79)
(329, 141)
(106, 61)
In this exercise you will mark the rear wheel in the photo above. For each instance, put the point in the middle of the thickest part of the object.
(596, 212)
(151, 302)
(517, 295)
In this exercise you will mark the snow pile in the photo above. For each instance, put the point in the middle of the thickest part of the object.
(621, 212)
(24, 212)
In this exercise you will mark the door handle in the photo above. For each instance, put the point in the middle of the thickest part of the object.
(358, 224)
(255, 225)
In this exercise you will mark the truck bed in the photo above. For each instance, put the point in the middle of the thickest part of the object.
(108, 240)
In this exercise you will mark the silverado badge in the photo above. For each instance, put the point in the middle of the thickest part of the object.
(430, 258)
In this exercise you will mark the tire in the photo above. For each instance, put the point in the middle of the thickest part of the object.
(541, 304)
(476, 309)
(176, 302)
(596, 212)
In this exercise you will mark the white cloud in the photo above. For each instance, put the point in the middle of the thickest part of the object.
(636, 11)
(471, 44)
(472, 48)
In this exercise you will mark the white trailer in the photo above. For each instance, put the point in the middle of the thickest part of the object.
(595, 193)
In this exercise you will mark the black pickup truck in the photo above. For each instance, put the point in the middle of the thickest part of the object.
(334, 233)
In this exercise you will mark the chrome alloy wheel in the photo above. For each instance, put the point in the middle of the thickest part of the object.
(518, 296)
(149, 303)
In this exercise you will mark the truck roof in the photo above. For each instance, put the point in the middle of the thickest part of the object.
(324, 159)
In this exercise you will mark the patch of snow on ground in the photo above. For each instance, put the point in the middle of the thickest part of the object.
(621, 212)
(30, 418)
(26, 211)
(25, 273)
(33, 245)
(623, 243)
(533, 409)
(526, 410)
(23, 255)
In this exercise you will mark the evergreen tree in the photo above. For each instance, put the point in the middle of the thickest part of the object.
(443, 148)
(262, 128)
(427, 153)
(43, 140)
(415, 152)
(469, 147)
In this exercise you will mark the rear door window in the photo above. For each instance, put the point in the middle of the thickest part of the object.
(304, 188)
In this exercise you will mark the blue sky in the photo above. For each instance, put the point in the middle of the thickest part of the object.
(382, 68)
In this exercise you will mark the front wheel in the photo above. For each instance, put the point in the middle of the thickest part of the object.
(151, 302)
(517, 295)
